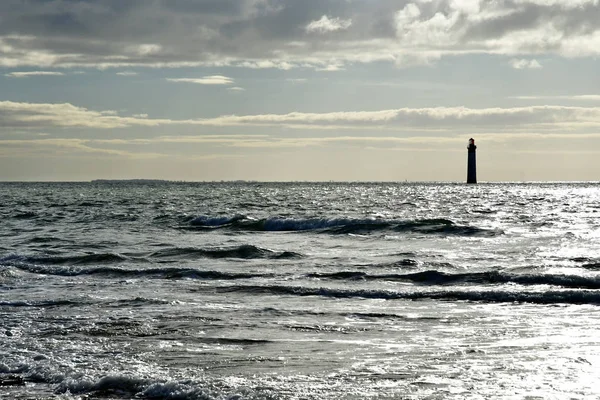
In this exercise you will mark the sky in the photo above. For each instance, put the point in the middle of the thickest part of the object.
(299, 90)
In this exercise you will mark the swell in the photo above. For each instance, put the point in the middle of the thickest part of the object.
(339, 225)
(87, 259)
(42, 303)
(82, 301)
(242, 251)
(485, 296)
(156, 273)
(433, 277)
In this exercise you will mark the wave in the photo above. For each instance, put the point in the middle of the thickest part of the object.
(204, 220)
(379, 316)
(233, 341)
(433, 277)
(46, 239)
(594, 266)
(87, 259)
(123, 386)
(157, 273)
(487, 296)
(106, 385)
(126, 386)
(11, 380)
(242, 251)
(42, 304)
(340, 225)
(25, 215)
(78, 302)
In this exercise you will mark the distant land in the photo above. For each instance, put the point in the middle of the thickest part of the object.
(159, 181)
(131, 181)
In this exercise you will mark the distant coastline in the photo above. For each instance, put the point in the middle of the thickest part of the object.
(132, 181)
(164, 181)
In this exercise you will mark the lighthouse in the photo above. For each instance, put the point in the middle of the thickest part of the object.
(471, 162)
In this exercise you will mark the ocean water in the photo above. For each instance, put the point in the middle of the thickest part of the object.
(158, 290)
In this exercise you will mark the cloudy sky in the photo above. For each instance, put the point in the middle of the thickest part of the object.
(299, 89)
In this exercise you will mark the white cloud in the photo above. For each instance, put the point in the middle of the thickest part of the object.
(145, 49)
(127, 73)
(542, 118)
(469, 7)
(59, 147)
(236, 89)
(33, 73)
(581, 97)
(331, 68)
(413, 28)
(264, 64)
(207, 80)
(582, 45)
(411, 59)
(525, 64)
(564, 4)
(32, 115)
(438, 117)
(325, 24)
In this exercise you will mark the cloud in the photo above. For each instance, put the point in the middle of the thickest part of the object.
(289, 34)
(581, 97)
(134, 148)
(525, 64)
(264, 64)
(144, 49)
(127, 73)
(438, 116)
(414, 28)
(236, 89)
(325, 24)
(33, 73)
(64, 115)
(543, 118)
(59, 147)
(207, 80)
(331, 68)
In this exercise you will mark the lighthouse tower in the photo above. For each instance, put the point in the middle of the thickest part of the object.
(471, 162)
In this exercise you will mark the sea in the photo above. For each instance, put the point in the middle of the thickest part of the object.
(299, 290)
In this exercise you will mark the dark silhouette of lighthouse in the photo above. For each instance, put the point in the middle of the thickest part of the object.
(471, 162)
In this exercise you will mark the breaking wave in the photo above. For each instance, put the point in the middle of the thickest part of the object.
(126, 386)
(123, 386)
(341, 225)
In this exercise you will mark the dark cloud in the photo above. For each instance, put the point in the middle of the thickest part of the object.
(577, 20)
(177, 32)
(219, 7)
(526, 18)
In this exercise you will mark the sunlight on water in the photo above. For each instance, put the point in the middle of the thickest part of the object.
(290, 291)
